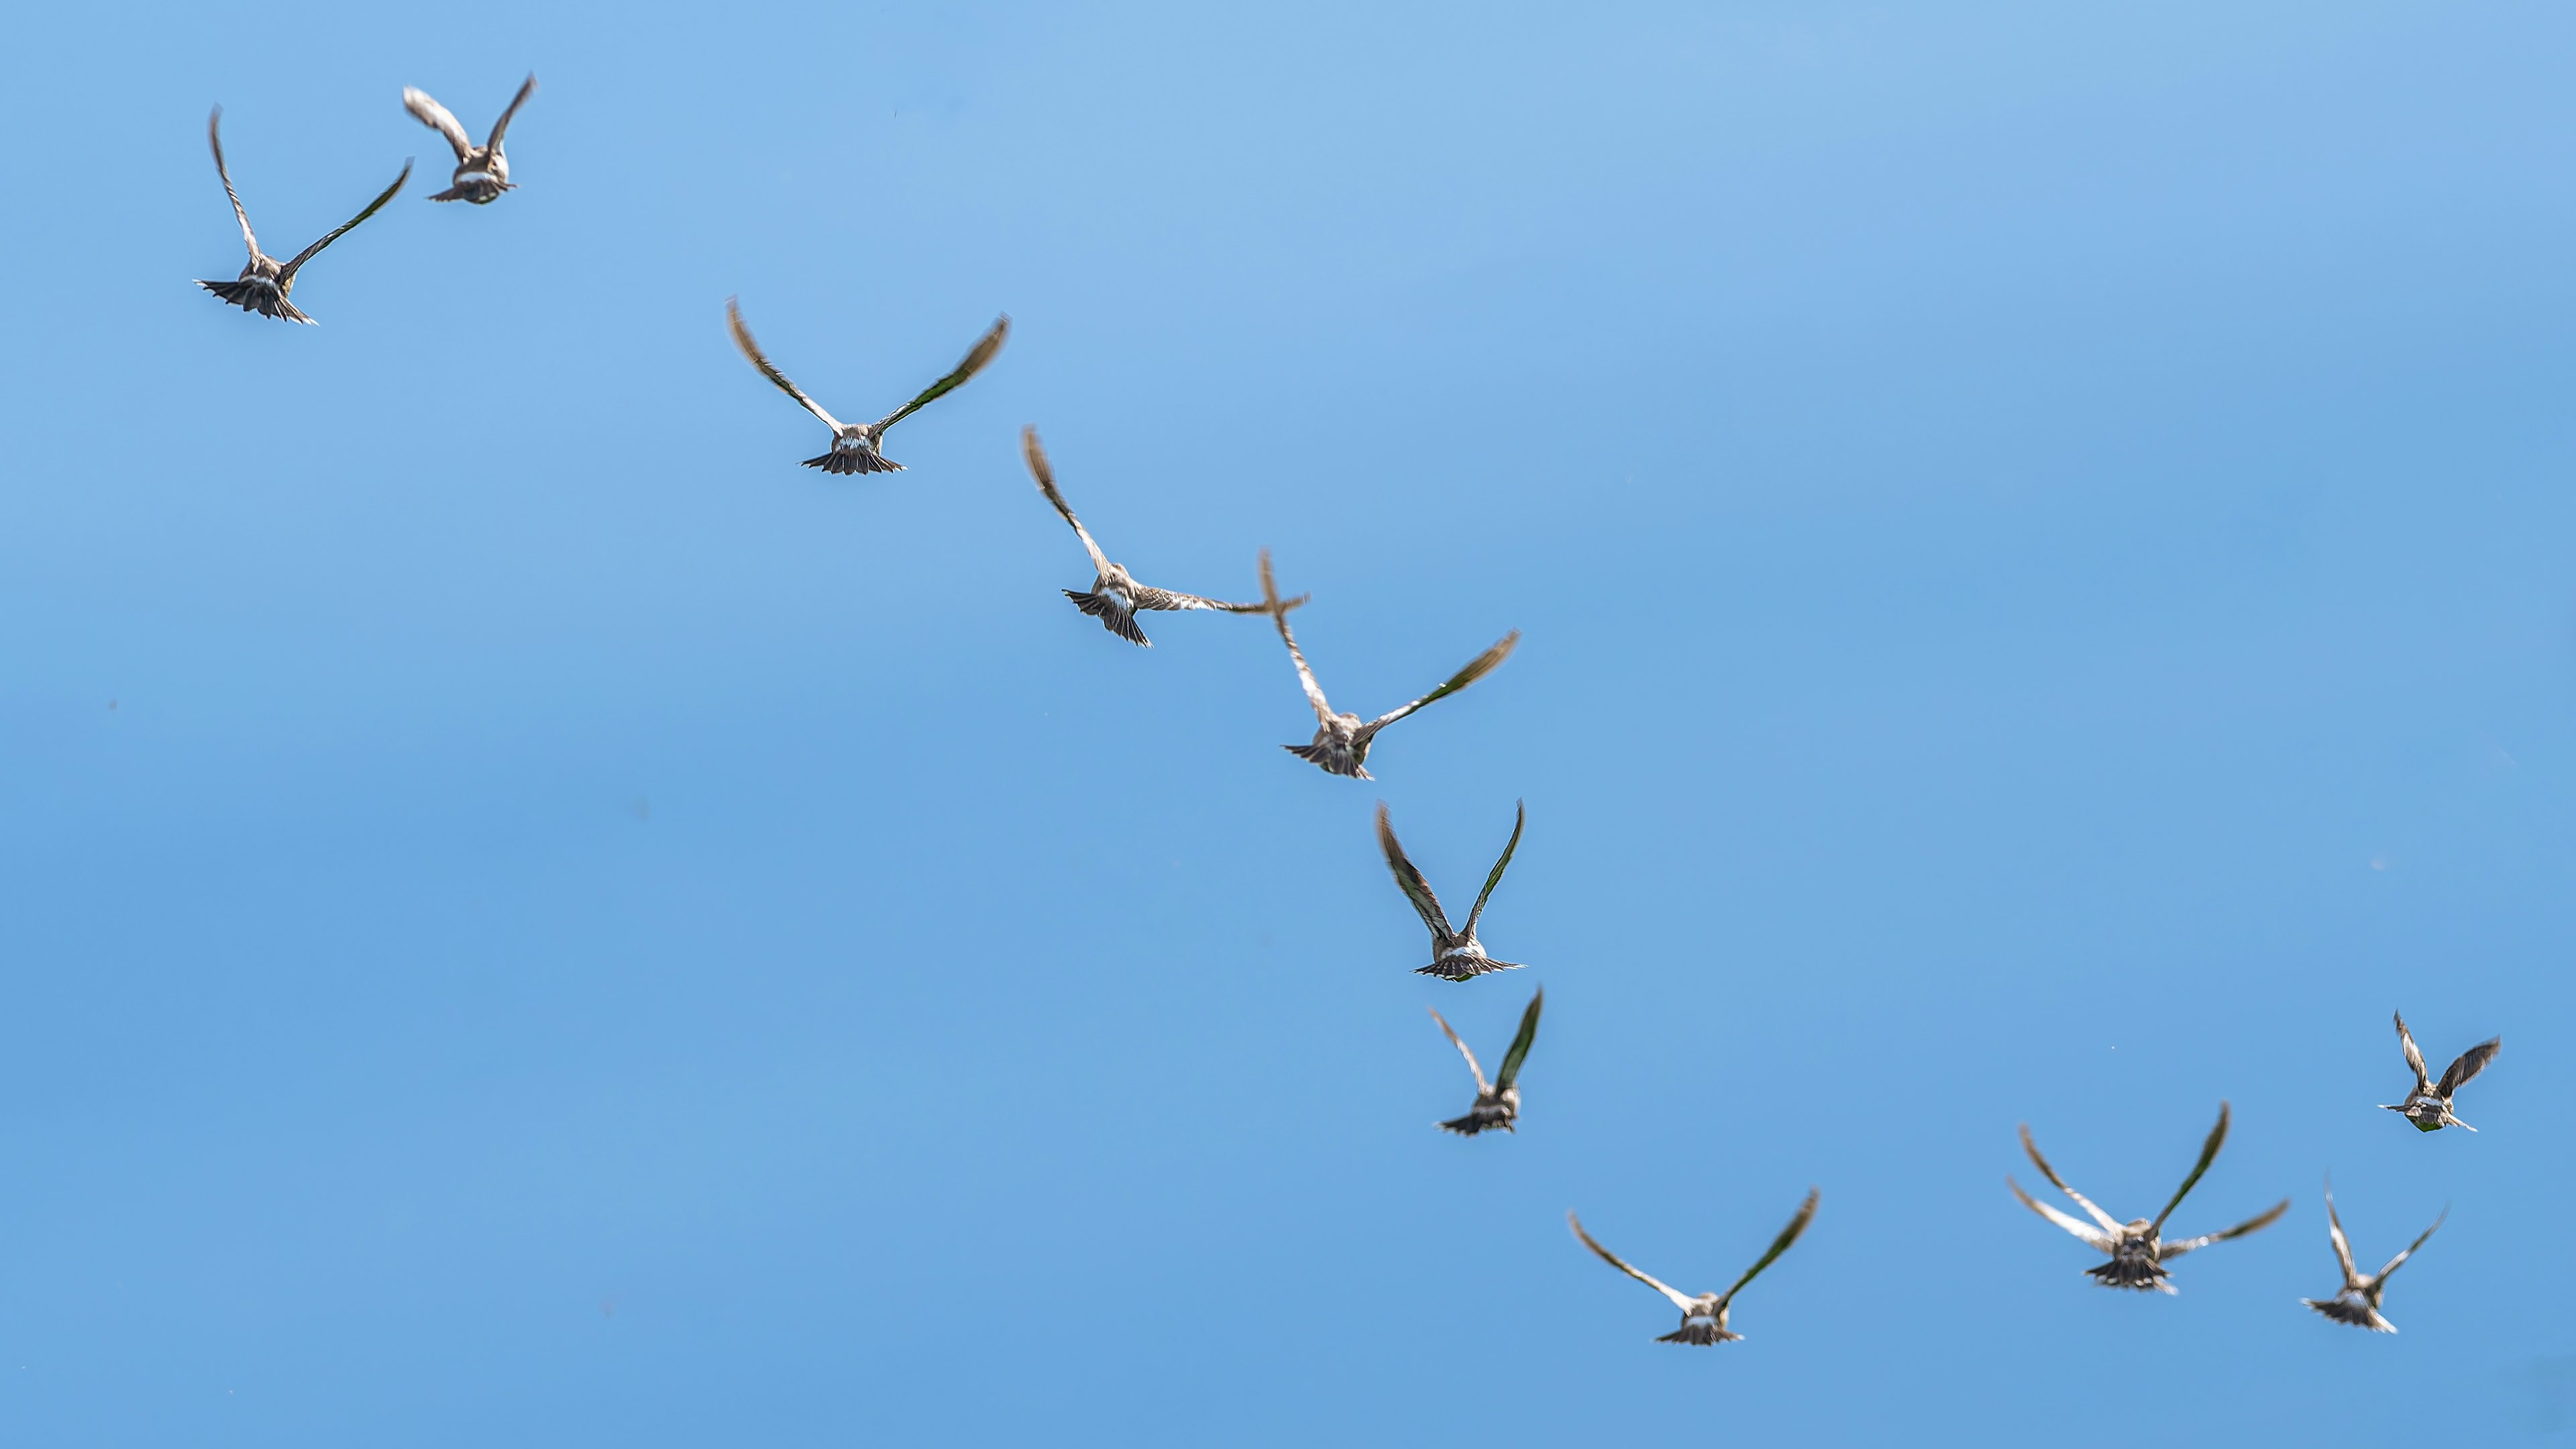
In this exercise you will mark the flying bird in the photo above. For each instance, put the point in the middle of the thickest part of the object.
(1456, 955)
(854, 445)
(265, 283)
(1498, 1102)
(2429, 1105)
(1115, 596)
(2138, 1249)
(1704, 1316)
(2358, 1302)
(1341, 742)
(482, 172)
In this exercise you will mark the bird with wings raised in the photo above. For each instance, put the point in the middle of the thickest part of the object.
(265, 283)
(1456, 954)
(2429, 1105)
(855, 445)
(1498, 1102)
(1704, 1314)
(2138, 1249)
(482, 172)
(1115, 597)
(2357, 1303)
(1341, 742)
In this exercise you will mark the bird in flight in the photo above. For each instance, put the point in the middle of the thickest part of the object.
(265, 283)
(1704, 1316)
(2138, 1249)
(1341, 742)
(1115, 596)
(1456, 955)
(854, 445)
(1498, 1102)
(2429, 1105)
(482, 172)
(2358, 1301)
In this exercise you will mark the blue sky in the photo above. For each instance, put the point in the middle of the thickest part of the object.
(2041, 543)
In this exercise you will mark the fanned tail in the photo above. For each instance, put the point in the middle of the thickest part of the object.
(1116, 620)
(1322, 759)
(2138, 1274)
(853, 460)
(1699, 1333)
(1465, 968)
(1472, 1123)
(2344, 1310)
(481, 190)
(257, 294)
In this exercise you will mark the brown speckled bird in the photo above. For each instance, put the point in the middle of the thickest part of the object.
(2138, 1249)
(1456, 955)
(1704, 1315)
(1498, 1102)
(854, 445)
(1341, 742)
(2429, 1105)
(1115, 597)
(265, 283)
(2358, 1301)
(482, 172)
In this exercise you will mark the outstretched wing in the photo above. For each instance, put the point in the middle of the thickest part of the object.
(2109, 1224)
(2098, 1242)
(337, 232)
(2342, 1245)
(1779, 1245)
(751, 349)
(981, 353)
(1482, 1085)
(1520, 817)
(1416, 889)
(2468, 1064)
(527, 88)
(1279, 614)
(1149, 597)
(2172, 1250)
(2414, 1058)
(1482, 665)
(1521, 1040)
(1045, 475)
(1681, 1300)
(2208, 1155)
(2391, 1266)
(215, 138)
(438, 118)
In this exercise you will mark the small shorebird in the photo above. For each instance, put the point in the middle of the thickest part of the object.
(1115, 596)
(482, 172)
(2138, 1249)
(854, 445)
(1498, 1102)
(1704, 1316)
(2429, 1105)
(2358, 1302)
(1341, 742)
(265, 283)
(1455, 955)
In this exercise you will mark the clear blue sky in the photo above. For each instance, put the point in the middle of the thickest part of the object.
(2042, 543)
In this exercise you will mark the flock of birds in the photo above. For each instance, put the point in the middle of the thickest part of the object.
(2138, 1251)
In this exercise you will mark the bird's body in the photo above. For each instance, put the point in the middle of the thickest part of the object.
(2429, 1105)
(2138, 1249)
(1341, 743)
(482, 172)
(2357, 1302)
(1456, 954)
(1498, 1102)
(267, 285)
(1704, 1314)
(1115, 598)
(855, 446)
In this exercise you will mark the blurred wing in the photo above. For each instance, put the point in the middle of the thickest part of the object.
(2468, 1064)
(2109, 1224)
(1520, 817)
(982, 353)
(2170, 1251)
(2334, 1235)
(1521, 1040)
(751, 349)
(1416, 889)
(2391, 1267)
(2208, 1155)
(1482, 665)
(1481, 1084)
(527, 88)
(1279, 615)
(438, 118)
(1046, 484)
(2098, 1242)
(1682, 1301)
(2414, 1058)
(343, 228)
(1779, 1245)
(215, 138)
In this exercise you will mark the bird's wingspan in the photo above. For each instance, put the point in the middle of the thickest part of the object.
(2264, 1219)
(1681, 1300)
(1477, 668)
(1519, 1051)
(1779, 1245)
(343, 229)
(2414, 1057)
(2109, 1224)
(980, 354)
(751, 349)
(2208, 1154)
(1520, 817)
(1416, 889)
(1450, 1032)
(215, 138)
(2468, 1064)
(2097, 1241)
(438, 118)
(527, 88)
(1039, 469)
(1278, 612)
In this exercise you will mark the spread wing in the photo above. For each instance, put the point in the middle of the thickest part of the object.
(2469, 1064)
(2172, 1250)
(1416, 889)
(1279, 614)
(337, 232)
(751, 349)
(2109, 1224)
(1494, 877)
(1482, 665)
(1149, 597)
(215, 138)
(1045, 475)
(527, 88)
(981, 353)
(2098, 1242)
(1482, 1085)
(2382, 1275)
(2208, 1155)
(2414, 1058)
(438, 118)
(1521, 1040)
(1779, 1245)
(2342, 1245)
(1681, 1300)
